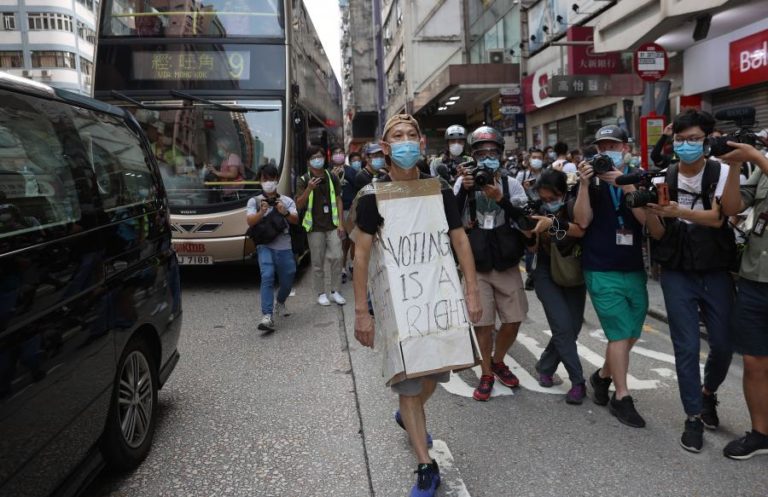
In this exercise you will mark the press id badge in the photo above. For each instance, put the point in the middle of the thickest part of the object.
(762, 221)
(489, 221)
(326, 209)
(625, 238)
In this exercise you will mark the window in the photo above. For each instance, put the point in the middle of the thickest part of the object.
(50, 21)
(53, 59)
(203, 18)
(39, 184)
(9, 21)
(88, 4)
(115, 154)
(86, 33)
(86, 66)
(10, 60)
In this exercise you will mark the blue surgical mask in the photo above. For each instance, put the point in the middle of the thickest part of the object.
(489, 163)
(616, 156)
(378, 163)
(406, 154)
(355, 165)
(689, 152)
(554, 206)
(317, 163)
(537, 163)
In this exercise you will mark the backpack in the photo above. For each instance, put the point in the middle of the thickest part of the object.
(270, 227)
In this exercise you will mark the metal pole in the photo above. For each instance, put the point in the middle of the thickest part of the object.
(652, 90)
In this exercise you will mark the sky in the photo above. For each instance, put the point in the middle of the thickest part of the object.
(326, 17)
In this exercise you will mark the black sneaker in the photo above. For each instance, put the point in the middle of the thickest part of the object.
(693, 436)
(753, 444)
(625, 412)
(600, 388)
(529, 283)
(709, 411)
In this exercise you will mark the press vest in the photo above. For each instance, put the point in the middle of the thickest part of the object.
(307, 223)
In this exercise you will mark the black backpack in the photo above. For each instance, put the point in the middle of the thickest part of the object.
(269, 228)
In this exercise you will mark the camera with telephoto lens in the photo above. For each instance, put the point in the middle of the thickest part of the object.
(601, 164)
(523, 210)
(648, 191)
(744, 119)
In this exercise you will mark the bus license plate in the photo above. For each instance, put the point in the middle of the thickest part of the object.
(193, 260)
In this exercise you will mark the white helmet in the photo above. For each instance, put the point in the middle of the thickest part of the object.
(455, 132)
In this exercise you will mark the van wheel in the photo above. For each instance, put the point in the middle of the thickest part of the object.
(131, 421)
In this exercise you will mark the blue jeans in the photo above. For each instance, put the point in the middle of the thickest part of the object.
(273, 261)
(684, 294)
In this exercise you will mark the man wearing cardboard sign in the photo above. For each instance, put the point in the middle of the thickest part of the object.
(406, 228)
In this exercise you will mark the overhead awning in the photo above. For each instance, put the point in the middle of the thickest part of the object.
(473, 83)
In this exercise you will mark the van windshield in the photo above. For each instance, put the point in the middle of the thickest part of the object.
(210, 156)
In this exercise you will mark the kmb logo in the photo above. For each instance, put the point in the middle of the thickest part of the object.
(189, 248)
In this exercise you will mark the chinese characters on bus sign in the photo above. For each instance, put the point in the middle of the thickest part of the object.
(204, 66)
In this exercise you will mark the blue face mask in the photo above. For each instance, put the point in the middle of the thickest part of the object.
(317, 163)
(488, 163)
(617, 157)
(553, 207)
(405, 154)
(689, 153)
(355, 165)
(378, 163)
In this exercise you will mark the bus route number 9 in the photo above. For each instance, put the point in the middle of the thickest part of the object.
(236, 65)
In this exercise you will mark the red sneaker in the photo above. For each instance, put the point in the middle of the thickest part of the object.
(483, 390)
(505, 376)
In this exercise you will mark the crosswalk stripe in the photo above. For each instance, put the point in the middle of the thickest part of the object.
(452, 484)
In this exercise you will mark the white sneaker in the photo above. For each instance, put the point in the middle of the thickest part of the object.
(336, 296)
(323, 300)
(267, 324)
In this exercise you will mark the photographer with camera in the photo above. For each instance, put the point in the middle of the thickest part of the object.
(696, 250)
(527, 177)
(559, 282)
(614, 272)
(485, 199)
(318, 196)
(446, 165)
(750, 314)
(268, 216)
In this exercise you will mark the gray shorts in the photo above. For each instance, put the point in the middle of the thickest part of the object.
(412, 386)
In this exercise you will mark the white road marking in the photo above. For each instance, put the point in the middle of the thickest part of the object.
(665, 373)
(451, 482)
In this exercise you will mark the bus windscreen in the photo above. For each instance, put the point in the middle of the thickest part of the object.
(193, 18)
(210, 157)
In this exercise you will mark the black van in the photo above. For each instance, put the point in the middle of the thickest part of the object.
(90, 300)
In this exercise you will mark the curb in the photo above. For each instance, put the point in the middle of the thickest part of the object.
(658, 314)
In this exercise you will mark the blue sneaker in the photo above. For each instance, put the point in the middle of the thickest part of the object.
(427, 481)
(399, 421)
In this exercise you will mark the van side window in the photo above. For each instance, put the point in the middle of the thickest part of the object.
(115, 154)
(37, 190)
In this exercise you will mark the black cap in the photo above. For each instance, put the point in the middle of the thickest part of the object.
(613, 133)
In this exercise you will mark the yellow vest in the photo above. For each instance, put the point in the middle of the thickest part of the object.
(307, 223)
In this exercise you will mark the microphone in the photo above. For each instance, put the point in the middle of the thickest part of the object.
(743, 116)
(629, 179)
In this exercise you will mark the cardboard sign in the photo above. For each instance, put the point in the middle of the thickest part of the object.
(422, 325)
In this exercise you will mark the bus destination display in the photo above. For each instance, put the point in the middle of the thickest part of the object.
(207, 65)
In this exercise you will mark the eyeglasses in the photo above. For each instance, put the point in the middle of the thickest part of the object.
(690, 140)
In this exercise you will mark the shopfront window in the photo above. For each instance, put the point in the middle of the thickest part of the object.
(590, 122)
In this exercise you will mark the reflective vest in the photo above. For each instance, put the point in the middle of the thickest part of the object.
(307, 223)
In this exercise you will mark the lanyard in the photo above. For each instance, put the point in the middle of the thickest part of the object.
(616, 194)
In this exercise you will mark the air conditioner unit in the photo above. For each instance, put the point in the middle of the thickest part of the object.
(45, 74)
(25, 73)
(496, 56)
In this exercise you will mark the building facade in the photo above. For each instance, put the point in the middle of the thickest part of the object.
(51, 41)
(359, 77)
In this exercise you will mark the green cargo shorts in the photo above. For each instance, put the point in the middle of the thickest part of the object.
(620, 300)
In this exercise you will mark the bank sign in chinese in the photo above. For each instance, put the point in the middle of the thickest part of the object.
(200, 65)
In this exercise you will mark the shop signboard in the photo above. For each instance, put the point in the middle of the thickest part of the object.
(536, 89)
(509, 110)
(582, 59)
(594, 85)
(749, 60)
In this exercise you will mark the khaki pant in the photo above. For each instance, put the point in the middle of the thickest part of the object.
(322, 246)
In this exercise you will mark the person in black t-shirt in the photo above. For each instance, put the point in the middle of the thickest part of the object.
(402, 145)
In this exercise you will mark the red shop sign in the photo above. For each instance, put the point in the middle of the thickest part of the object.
(582, 59)
(749, 60)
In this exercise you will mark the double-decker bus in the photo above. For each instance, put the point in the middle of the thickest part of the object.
(221, 88)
